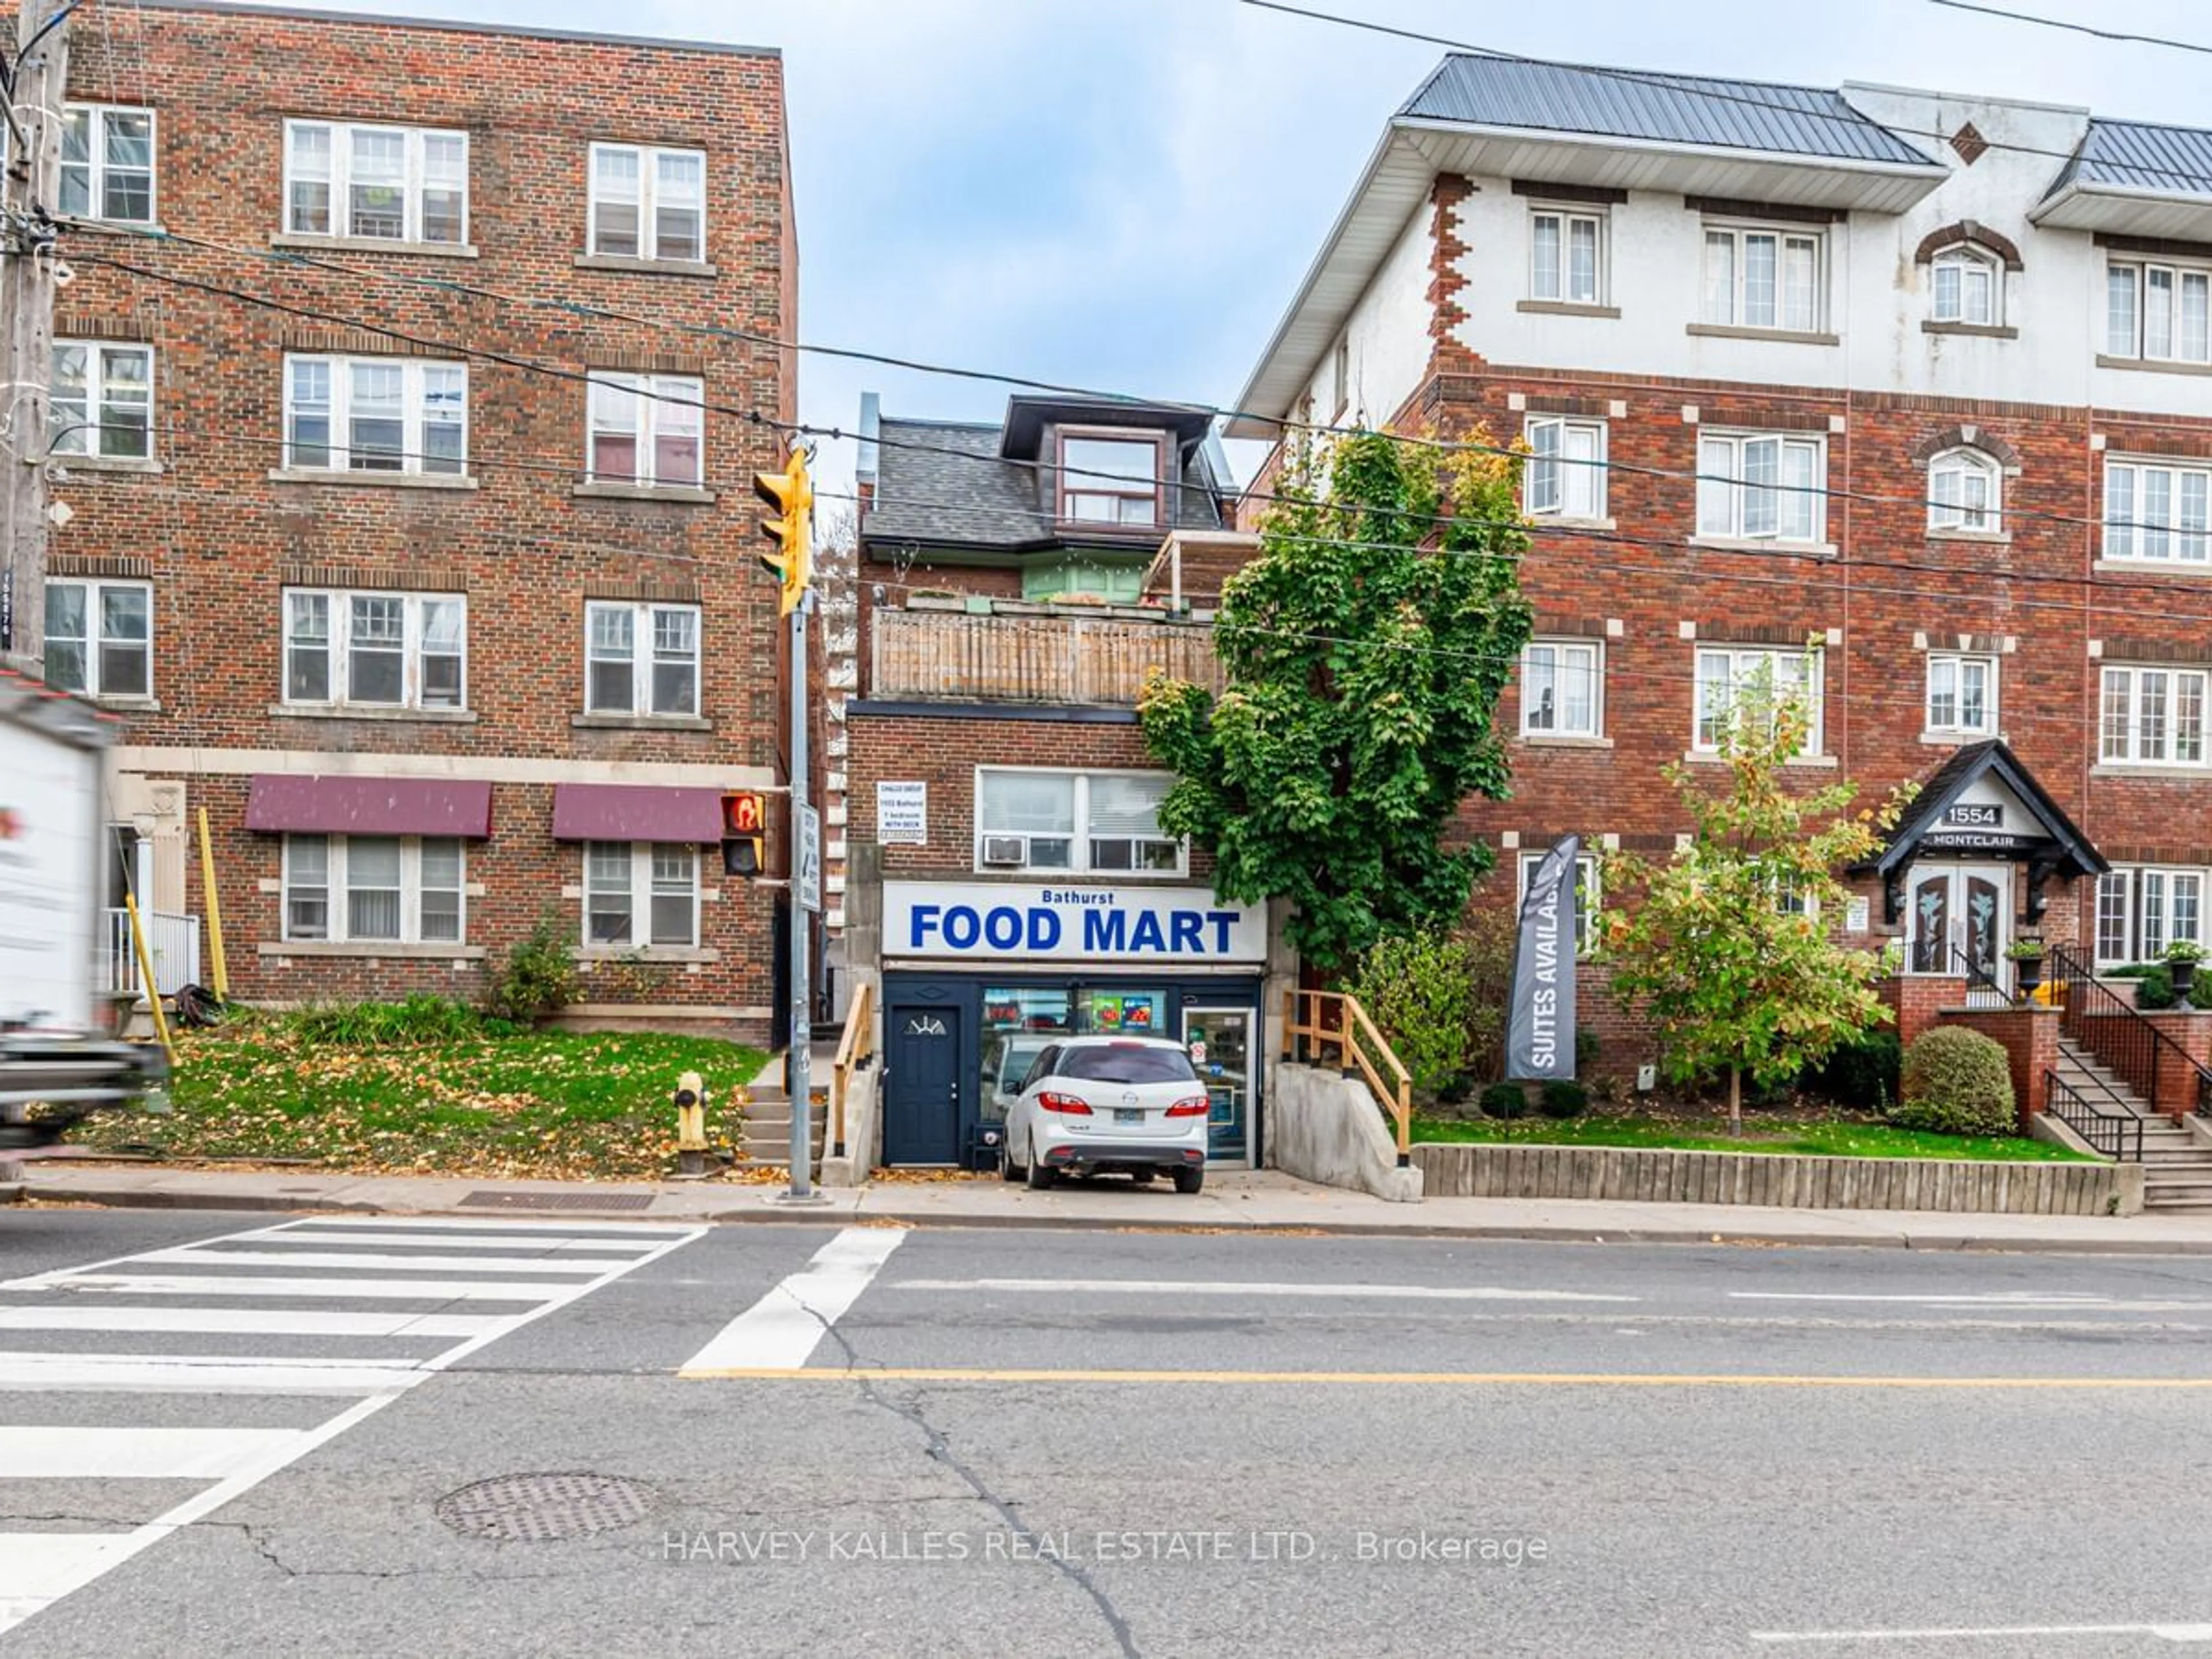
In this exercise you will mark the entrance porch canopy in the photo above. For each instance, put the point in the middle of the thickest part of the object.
(1983, 803)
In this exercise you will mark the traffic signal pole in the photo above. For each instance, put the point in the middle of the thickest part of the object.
(792, 493)
(802, 1010)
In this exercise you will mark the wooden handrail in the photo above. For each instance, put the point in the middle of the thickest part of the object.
(1353, 1035)
(856, 1047)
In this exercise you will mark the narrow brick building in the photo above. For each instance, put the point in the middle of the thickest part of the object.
(1900, 394)
(1017, 581)
(430, 581)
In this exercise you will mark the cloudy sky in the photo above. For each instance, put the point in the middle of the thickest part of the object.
(1123, 194)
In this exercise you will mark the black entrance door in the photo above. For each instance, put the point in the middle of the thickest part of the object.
(921, 1109)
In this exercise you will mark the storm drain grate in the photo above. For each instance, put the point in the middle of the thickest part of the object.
(536, 1508)
(492, 1201)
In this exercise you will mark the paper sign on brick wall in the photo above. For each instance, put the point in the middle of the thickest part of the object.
(901, 812)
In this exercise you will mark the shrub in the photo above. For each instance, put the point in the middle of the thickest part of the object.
(2155, 986)
(1561, 1099)
(417, 1021)
(1862, 1071)
(539, 978)
(1955, 1082)
(1588, 1044)
(1416, 986)
(1505, 1100)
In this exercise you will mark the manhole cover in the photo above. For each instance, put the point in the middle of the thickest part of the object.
(532, 1508)
(497, 1201)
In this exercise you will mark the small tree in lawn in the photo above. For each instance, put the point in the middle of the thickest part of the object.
(1729, 946)
(1365, 646)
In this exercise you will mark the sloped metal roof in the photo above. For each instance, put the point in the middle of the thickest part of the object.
(1668, 109)
(2139, 155)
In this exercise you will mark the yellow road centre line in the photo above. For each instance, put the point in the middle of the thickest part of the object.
(1425, 1379)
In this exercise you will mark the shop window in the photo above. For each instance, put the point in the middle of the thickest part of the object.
(1018, 1022)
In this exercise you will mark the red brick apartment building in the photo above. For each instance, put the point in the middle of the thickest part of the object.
(1904, 394)
(436, 591)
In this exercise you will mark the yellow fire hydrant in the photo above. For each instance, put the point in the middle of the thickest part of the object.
(690, 1125)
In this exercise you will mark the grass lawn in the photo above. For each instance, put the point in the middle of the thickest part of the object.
(1825, 1137)
(550, 1105)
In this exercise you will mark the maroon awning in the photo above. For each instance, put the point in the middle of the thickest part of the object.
(368, 806)
(635, 811)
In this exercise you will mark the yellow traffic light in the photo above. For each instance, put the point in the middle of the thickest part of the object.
(791, 494)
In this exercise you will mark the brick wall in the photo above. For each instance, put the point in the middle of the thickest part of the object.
(220, 540)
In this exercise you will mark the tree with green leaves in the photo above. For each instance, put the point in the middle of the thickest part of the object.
(1365, 646)
(1730, 946)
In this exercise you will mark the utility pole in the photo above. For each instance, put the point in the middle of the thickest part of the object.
(29, 193)
(793, 493)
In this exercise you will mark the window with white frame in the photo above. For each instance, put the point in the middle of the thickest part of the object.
(100, 638)
(1793, 898)
(377, 183)
(649, 204)
(374, 889)
(101, 403)
(2158, 510)
(647, 429)
(108, 163)
(1729, 675)
(1763, 276)
(1562, 689)
(375, 415)
(1969, 287)
(1962, 694)
(1110, 481)
(1073, 822)
(638, 894)
(1762, 487)
(2154, 716)
(2141, 911)
(1586, 899)
(1566, 255)
(641, 659)
(2158, 312)
(1565, 475)
(1965, 487)
(375, 650)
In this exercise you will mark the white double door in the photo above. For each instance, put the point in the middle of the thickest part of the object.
(1958, 914)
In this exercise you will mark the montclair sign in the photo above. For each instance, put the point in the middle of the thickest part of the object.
(1008, 921)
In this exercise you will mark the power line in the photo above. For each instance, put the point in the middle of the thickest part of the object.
(2075, 28)
(2200, 181)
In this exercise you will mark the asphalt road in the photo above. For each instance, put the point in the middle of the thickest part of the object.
(232, 1434)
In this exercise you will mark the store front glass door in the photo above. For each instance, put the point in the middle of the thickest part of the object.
(1220, 1044)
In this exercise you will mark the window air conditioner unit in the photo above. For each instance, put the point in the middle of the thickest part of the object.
(1004, 849)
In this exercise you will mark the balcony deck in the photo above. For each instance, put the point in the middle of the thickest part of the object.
(1032, 653)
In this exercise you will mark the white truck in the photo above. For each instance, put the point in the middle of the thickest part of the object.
(56, 1053)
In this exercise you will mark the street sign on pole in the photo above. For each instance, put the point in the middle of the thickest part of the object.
(809, 873)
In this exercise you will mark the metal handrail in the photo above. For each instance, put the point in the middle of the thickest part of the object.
(1978, 979)
(855, 1048)
(2117, 1135)
(2114, 1030)
(1353, 1035)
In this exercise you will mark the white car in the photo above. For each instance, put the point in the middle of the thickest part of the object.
(1125, 1103)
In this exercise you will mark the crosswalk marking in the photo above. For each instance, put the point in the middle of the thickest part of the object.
(192, 1255)
(780, 1330)
(248, 1322)
(289, 1282)
(106, 1453)
(329, 1289)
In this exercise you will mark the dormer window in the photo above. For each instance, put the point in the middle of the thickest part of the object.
(1111, 481)
(1968, 288)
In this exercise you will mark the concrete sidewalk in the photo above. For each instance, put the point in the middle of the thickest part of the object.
(1261, 1201)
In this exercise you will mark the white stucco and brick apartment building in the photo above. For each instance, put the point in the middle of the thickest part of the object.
(1903, 394)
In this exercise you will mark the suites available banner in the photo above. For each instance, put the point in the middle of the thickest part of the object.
(1540, 1031)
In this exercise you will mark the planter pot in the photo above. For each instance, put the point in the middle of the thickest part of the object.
(2028, 975)
(2184, 976)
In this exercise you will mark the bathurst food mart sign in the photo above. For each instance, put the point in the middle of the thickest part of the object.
(1006, 921)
